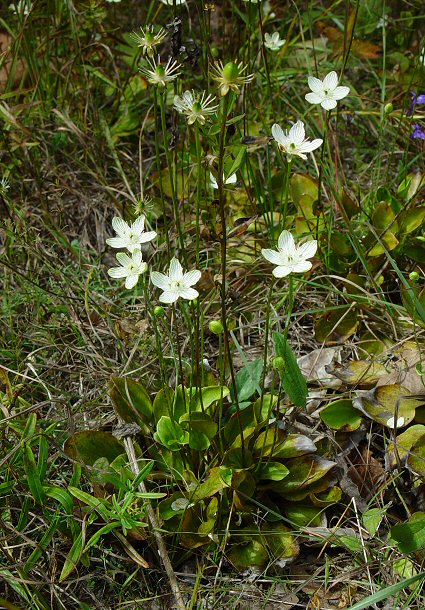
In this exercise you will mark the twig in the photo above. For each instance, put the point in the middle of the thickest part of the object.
(162, 550)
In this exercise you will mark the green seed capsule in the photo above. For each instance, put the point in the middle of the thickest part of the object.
(230, 72)
(216, 327)
(158, 311)
(278, 363)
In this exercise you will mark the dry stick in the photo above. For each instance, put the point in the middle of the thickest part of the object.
(162, 550)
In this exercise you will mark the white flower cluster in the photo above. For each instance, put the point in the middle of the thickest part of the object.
(198, 108)
(174, 285)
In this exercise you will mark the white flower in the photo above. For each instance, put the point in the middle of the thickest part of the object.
(230, 180)
(195, 107)
(130, 236)
(391, 422)
(130, 268)
(290, 258)
(147, 40)
(160, 75)
(176, 284)
(172, 2)
(273, 42)
(113, 1)
(294, 142)
(326, 92)
(23, 7)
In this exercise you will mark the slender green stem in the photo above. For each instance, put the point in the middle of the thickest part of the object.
(266, 338)
(158, 165)
(159, 346)
(179, 351)
(223, 256)
(290, 306)
(286, 195)
(199, 179)
(177, 214)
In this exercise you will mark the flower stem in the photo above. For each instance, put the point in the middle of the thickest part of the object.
(290, 307)
(199, 188)
(223, 256)
(266, 339)
(171, 175)
(287, 182)
(158, 165)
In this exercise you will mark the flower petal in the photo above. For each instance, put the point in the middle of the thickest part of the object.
(213, 182)
(330, 81)
(117, 242)
(137, 257)
(301, 267)
(308, 249)
(176, 271)
(118, 272)
(124, 259)
(160, 280)
(189, 294)
(278, 134)
(297, 133)
(138, 225)
(120, 226)
(313, 98)
(315, 84)
(231, 179)
(281, 271)
(310, 146)
(148, 236)
(286, 243)
(340, 92)
(191, 277)
(272, 256)
(131, 280)
(169, 296)
(328, 104)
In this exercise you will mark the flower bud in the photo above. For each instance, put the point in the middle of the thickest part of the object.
(388, 108)
(216, 327)
(278, 362)
(215, 52)
(414, 276)
(158, 312)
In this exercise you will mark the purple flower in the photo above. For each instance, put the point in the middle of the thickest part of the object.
(418, 132)
(416, 100)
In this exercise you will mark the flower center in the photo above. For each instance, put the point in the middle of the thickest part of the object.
(197, 107)
(160, 71)
(176, 285)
